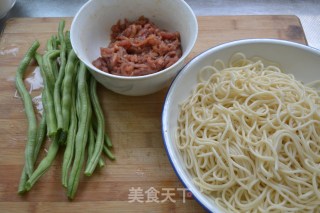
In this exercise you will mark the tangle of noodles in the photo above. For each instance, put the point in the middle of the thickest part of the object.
(250, 137)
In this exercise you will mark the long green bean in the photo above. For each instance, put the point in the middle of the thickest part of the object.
(48, 58)
(70, 143)
(44, 164)
(52, 45)
(58, 83)
(23, 180)
(68, 41)
(27, 101)
(107, 140)
(55, 42)
(41, 133)
(108, 153)
(82, 133)
(93, 161)
(49, 44)
(91, 142)
(78, 105)
(101, 162)
(47, 100)
(67, 85)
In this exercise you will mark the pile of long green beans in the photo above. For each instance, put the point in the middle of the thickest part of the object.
(72, 119)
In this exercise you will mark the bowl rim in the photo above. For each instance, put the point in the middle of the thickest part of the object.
(165, 108)
(2, 15)
(176, 64)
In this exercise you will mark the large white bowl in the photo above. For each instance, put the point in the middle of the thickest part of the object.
(5, 7)
(90, 30)
(300, 60)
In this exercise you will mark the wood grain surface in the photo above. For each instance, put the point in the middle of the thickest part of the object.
(134, 124)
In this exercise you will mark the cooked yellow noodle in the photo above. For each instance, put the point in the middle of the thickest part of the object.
(250, 137)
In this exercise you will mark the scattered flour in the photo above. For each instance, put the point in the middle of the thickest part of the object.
(13, 51)
(36, 82)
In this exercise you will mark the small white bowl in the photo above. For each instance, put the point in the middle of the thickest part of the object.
(90, 30)
(300, 60)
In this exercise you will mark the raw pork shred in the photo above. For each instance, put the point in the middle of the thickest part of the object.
(139, 48)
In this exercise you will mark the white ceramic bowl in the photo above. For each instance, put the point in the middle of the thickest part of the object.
(90, 30)
(5, 7)
(300, 60)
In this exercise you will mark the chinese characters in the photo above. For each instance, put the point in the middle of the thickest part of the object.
(152, 195)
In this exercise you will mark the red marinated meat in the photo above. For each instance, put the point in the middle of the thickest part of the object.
(139, 48)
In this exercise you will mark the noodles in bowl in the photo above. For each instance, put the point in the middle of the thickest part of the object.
(249, 135)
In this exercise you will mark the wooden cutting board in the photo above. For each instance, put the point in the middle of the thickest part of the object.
(134, 124)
